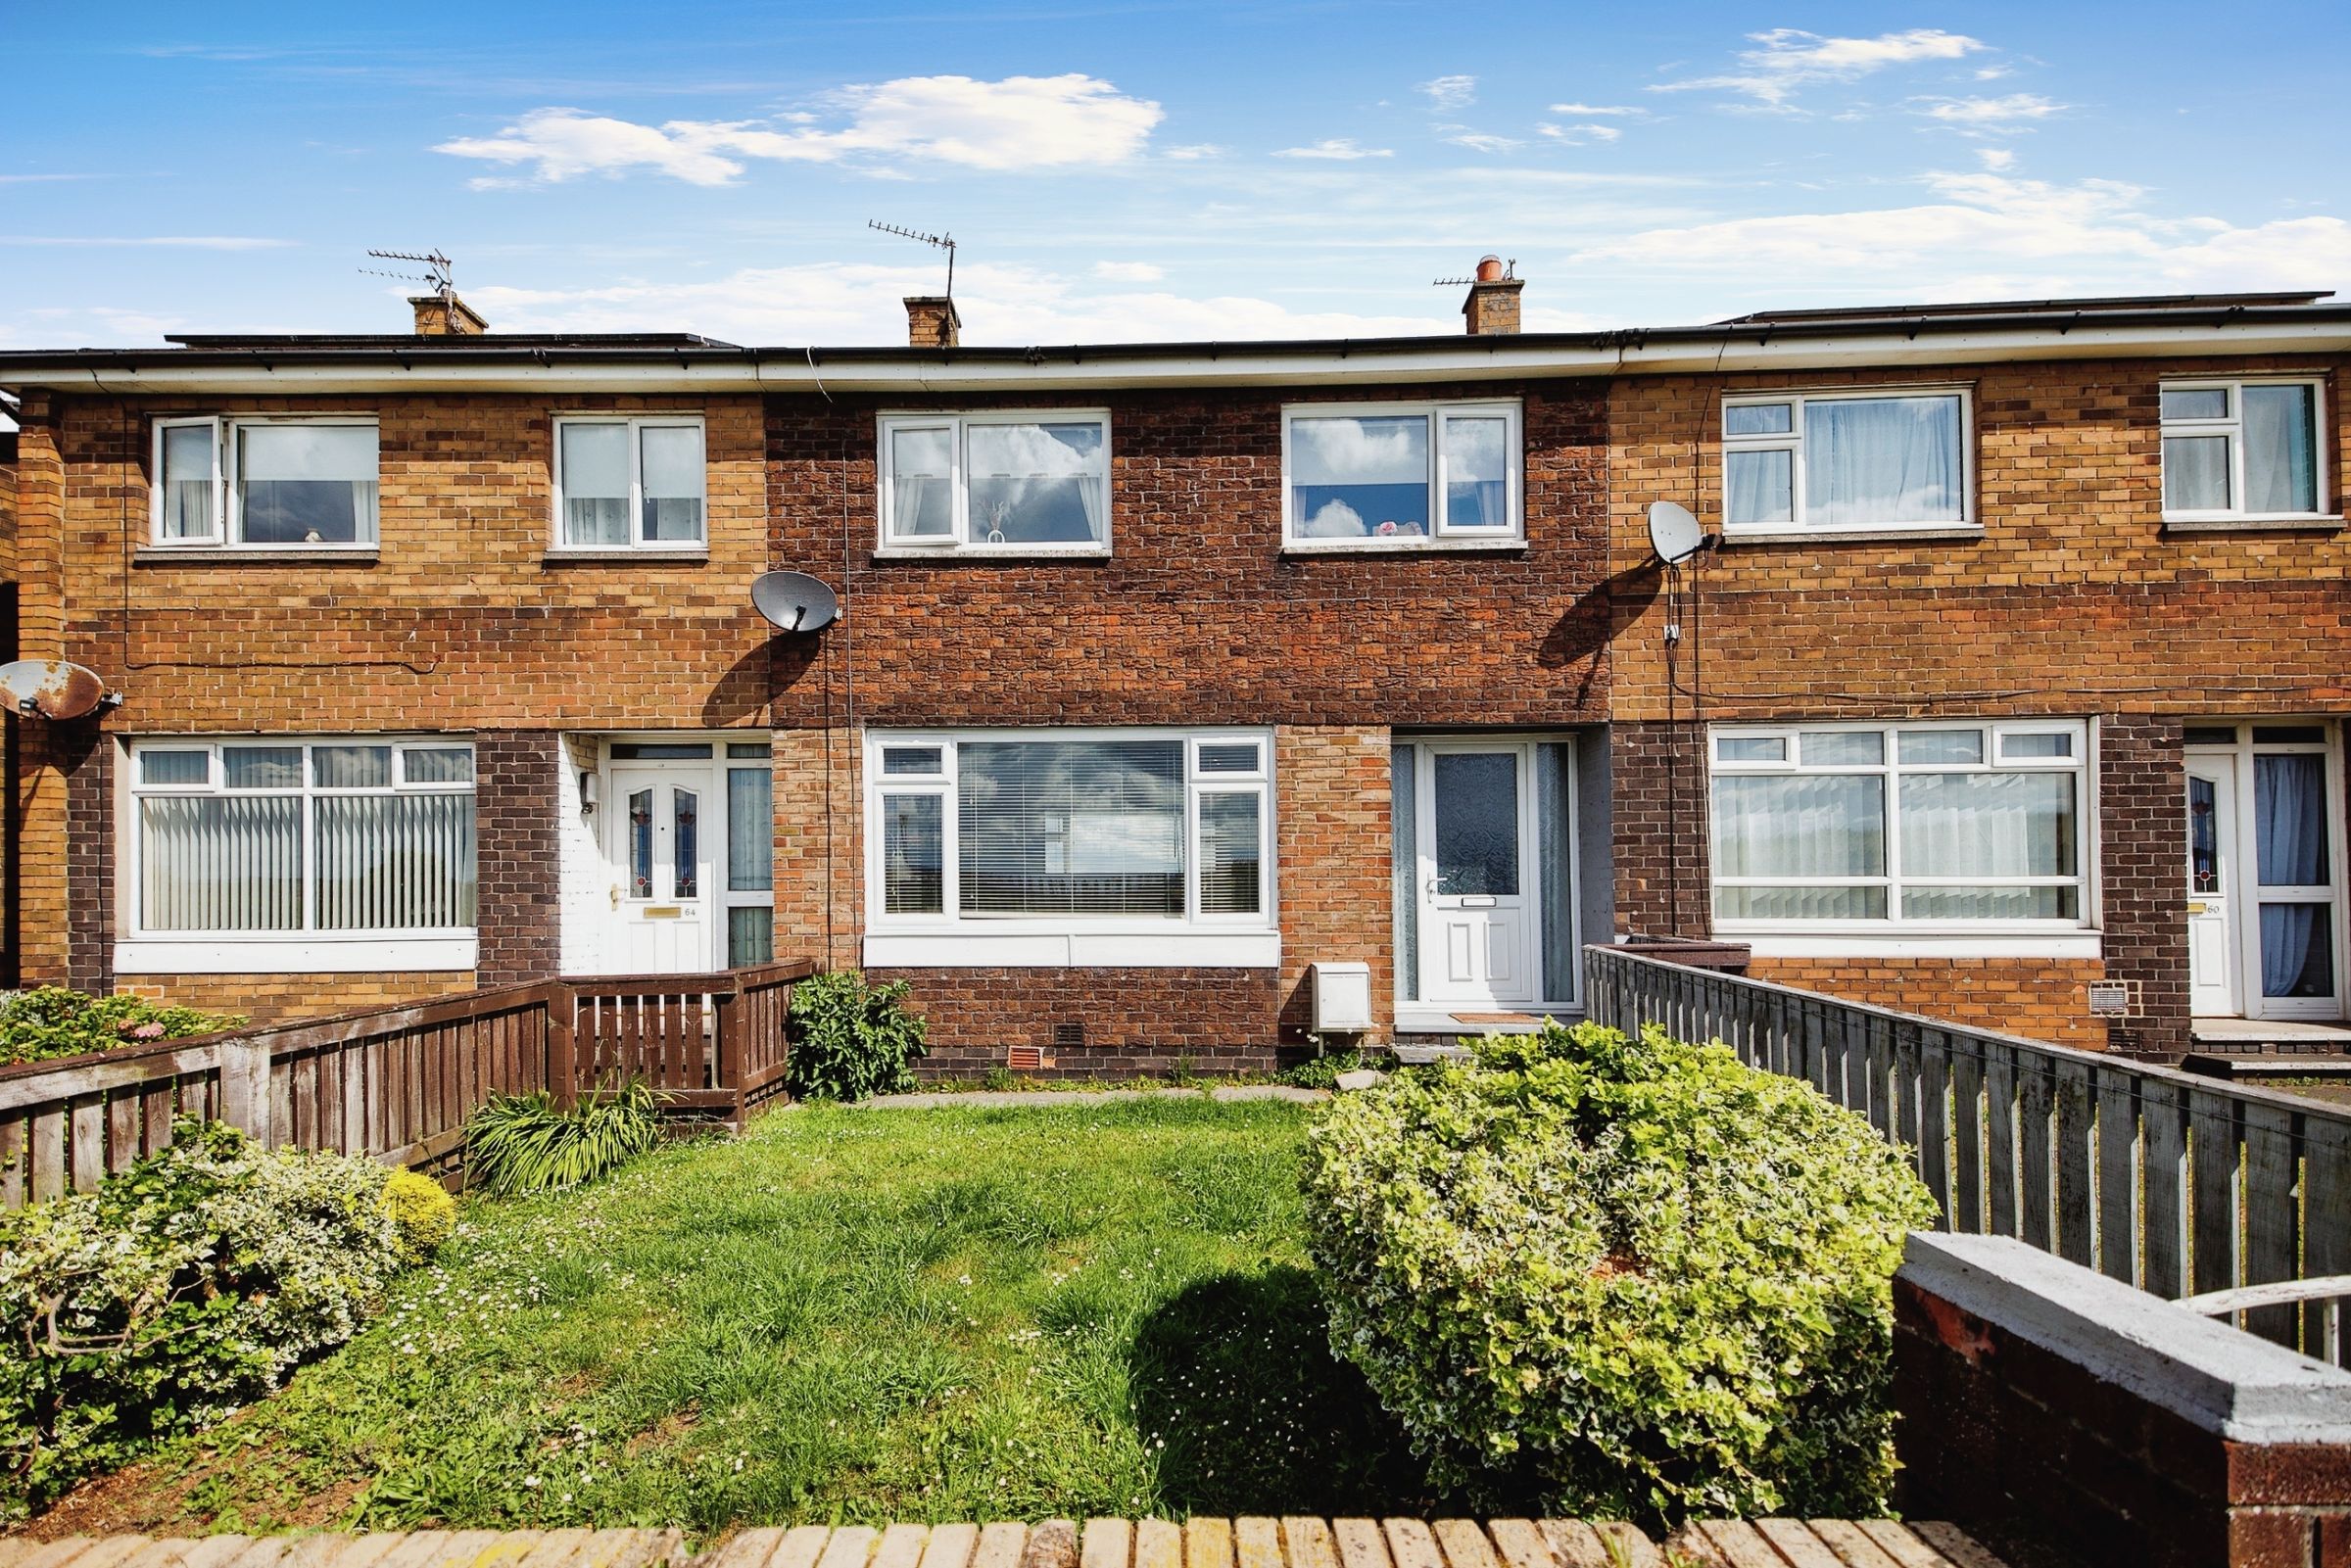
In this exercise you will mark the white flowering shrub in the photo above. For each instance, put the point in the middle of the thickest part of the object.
(1619, 1279)
(178, 1290)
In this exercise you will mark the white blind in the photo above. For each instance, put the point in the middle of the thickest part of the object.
(392, 863)
(1072, 828)
(595, 484)
(307, 484)
(672, 465)
(209, 864)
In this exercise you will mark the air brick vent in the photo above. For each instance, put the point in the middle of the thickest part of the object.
(1069, 1036)
(1024, 1058)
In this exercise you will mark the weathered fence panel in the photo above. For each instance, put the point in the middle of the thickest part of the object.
(2176, 1183)
(399, 1083)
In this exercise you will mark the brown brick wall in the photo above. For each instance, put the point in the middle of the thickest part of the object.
(1198, 617)
(1137, 1020)
(516, 912)
(1332, 793)
(285, 998)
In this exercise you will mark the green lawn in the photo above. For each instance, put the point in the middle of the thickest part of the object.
(849, 1315)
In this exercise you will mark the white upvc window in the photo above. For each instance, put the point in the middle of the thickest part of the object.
(269, 838)
(1854, 460)
(631, 481)
(1936, 824)
(2242, 450)
(285, 482)
(1374, 474)
(1132, 830)
(1004, 480)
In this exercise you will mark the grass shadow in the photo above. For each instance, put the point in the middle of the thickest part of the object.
(1235, 1374)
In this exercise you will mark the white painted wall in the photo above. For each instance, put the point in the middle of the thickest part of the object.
(584, 878)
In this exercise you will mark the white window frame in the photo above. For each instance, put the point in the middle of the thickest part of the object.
(958, 540)
(228, 496)
(309, 933)
(1440, 534)
(2046, 937)
(954, 939)
(2232, 427)
(637, 424)
(1792, 442)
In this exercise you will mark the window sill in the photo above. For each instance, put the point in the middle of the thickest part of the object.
(1852, 536)
(980, 554)
(1174, 949)
(255, 555)
(294, 955)
(1403, 547)
(699, 556)
(2265, 523)
(2053, 944)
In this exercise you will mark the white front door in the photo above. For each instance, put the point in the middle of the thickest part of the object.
(665, 857)
(2212, 831)
(1478, 910)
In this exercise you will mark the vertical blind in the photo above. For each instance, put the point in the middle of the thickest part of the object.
(284, 838)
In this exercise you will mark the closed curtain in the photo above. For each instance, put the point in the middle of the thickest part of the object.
(2281, 450)
(1405, 866)
(2290, 850)
(1882, 460)
(672, 466)
(596, 485)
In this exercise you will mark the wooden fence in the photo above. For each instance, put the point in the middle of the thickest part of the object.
(2180, 1185)
(399, 1082)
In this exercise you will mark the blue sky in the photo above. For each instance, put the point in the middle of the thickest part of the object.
(1148, 170)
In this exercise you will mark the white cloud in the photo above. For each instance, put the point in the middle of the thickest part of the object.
(179, 242)
(1600, 111)
(1019, 122)
(1451, 92)
(1478, 141)
(1986, 112)
(1790, 58)
(1580, 135)
(1988, 232)
(1998, 159)
(1129, 272)
(827, 302)
(1193, 152)
(1344, 149)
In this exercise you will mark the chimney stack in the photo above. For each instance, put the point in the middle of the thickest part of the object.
(932, 321)
(1493, 303)
(445, 315)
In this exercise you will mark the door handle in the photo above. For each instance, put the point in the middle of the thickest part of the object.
(616, 895)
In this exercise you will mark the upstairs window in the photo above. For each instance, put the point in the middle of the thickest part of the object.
(1945, 823)
(629, 483)
(1398, 473)
(279, 483)
(1849, 461)
(995, 481)
(2240, 450)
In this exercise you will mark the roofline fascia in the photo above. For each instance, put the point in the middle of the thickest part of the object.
(1742, 348)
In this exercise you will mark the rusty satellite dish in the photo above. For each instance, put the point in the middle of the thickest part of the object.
(795, 601)
(53, 689)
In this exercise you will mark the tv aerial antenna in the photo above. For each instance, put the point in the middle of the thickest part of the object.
(940, 242)
(439, 274)
(1510, 270)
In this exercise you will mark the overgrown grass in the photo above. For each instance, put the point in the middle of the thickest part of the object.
(848, 1314)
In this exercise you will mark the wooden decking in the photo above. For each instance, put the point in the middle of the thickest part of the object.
(1292, 1543)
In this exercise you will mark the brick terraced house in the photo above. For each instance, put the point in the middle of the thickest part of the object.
(1186, 694)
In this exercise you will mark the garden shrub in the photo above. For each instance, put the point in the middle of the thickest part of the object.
(1322, 1071)
(850, 1039)
(39, 1026)
(526, 1143)
(1628, 1278)
(177, 1291)
(424, 1214)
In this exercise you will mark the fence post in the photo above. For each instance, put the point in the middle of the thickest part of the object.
(245, 1088)
(562, 1059)
(729, 1004)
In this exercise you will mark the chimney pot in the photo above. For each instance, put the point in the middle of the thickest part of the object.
(1493, 303)
(932, 321)
(446, 317)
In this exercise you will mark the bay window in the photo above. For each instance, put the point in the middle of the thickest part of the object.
(1062, 831)
(1396, 473)
(275, 839)
(1845, 461)
(995, 481)
(2240, 450)
(284, 482)
(629, 483)
(1891, 826)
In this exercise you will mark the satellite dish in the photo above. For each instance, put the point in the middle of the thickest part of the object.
(795, 601)
(1673, 533)
(53, 689)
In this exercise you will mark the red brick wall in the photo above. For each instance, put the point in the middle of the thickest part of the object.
(517, 917)
(1135, 1020)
